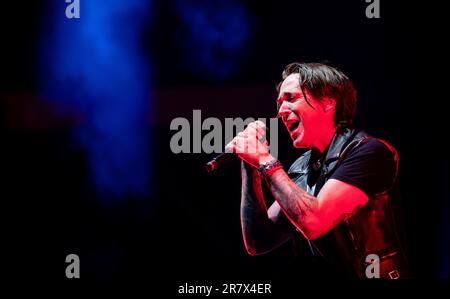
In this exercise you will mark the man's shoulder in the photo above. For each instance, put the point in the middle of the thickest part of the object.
(370, 165)
(373, 145)
(371, 150)
(351, 144)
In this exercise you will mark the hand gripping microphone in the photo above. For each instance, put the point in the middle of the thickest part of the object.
(223, 159)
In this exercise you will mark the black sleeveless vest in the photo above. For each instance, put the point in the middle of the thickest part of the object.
(372, 230)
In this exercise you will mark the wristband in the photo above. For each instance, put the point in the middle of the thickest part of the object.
(268, 168)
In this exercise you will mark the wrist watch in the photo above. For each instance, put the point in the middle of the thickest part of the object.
(268, 168)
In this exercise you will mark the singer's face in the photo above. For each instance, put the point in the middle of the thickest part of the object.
(304, 122)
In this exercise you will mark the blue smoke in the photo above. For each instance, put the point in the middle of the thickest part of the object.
(96, 65)
(214, 36)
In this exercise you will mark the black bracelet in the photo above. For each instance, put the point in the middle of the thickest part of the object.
(268, 168)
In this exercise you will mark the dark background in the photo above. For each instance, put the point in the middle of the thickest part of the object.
(186, 228)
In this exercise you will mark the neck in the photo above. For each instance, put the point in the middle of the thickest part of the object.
(323, 141)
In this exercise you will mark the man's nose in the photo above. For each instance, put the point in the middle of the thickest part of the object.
(284, 110)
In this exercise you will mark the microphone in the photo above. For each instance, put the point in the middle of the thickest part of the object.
(219, 161)
(223, 159)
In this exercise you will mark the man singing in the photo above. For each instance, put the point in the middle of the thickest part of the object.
(338, 194)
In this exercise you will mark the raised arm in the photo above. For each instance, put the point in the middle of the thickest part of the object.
(315, 216)
(262, 229)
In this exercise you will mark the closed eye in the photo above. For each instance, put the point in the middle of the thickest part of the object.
(289, 97)
(292, 98)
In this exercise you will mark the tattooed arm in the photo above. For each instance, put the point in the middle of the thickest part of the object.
(262, 229)
(315, 216)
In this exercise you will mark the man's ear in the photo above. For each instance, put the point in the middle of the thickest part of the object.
(328, 104)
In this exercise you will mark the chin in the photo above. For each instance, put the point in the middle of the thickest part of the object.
(298, 143)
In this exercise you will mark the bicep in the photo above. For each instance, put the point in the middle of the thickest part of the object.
(337, 201)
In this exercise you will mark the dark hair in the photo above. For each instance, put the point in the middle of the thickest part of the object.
(323, 80)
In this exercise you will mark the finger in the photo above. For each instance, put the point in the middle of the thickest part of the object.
(231, 146)
(241, 145)
(259, 146)
(238, 141)
(242, 134)
(235, 148)
(259, 131)
(260, 124)
(230, 143)
(251, 131)
(239, 149)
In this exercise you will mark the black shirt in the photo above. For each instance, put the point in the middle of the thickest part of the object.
(370, 166)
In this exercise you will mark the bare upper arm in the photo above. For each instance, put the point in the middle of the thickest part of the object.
(336, 202)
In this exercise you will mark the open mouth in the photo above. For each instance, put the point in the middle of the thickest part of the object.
(293, 125)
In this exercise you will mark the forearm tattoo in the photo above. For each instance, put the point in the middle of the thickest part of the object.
(296, 202)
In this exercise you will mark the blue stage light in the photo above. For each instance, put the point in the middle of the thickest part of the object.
(97, 65)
